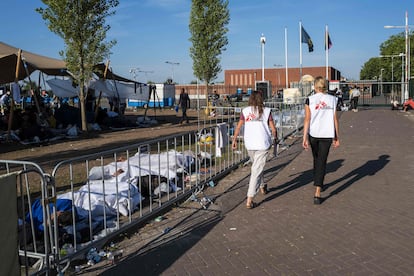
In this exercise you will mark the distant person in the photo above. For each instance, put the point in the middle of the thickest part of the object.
(184, 102)
(5, 101)
(216, 97)
(259, 128)
(320, 130)
(340, 96)
(354, 96)
(408, 104)
(111, 103)
(395, 105)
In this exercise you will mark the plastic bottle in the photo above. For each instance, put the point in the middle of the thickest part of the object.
(110, 257)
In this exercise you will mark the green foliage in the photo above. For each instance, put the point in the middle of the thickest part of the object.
(81, 24)
(370, 70)
(389, 59)
(208, 28)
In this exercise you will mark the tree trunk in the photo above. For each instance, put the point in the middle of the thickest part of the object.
(207, 110)
(82, 107)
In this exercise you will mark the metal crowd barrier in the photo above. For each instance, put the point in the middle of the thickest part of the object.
(114, 191)
(288, 116)
(37, 250)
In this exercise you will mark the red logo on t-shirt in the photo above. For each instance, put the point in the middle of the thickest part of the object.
(250, 117)
(321, 105)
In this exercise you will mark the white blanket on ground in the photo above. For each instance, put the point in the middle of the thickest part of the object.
(106, 197)
(111, 192)
(164, 164)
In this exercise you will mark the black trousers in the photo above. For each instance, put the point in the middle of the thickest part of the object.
(320, 150)
(184, 118)
(354, 102)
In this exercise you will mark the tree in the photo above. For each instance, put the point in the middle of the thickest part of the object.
(208, 28)
(81, 24)
(391, 47)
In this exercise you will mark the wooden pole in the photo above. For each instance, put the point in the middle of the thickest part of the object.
(100, 92)
(35, 93)
(16, 79)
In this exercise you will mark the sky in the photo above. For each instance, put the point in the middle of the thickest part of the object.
(150, 33)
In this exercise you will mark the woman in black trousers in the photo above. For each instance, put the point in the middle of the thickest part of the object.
(320, 130)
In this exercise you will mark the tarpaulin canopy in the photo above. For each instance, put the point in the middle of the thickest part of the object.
(99, 70)
(49, 66)
(33, 62)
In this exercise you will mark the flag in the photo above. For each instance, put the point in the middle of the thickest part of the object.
(328, 42)
(306, 39)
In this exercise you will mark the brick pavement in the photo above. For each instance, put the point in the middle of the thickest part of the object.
(365, 226)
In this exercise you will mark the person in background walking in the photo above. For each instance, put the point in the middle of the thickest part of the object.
(354, 96)
(184, 102)
(259, 128)
(340, 96)
(320, 130)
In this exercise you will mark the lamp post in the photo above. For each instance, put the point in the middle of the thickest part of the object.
(392, 70)
(133, 72)
(172, 68)
(407, 53)
(263, 41)
(381, 91)
(146, 74)
(402, 76)
(278, 73)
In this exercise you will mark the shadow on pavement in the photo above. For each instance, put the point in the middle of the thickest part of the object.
(161, 257)
(300, 180)
(370, 168)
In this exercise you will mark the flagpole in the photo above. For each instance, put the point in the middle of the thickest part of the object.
(300, 49)
(326, 50)
(286, 59)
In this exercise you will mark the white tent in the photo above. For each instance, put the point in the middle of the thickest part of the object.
(109, 88)
(132, 91)
(63, 88)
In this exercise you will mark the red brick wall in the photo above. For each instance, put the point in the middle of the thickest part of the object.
(246, 78)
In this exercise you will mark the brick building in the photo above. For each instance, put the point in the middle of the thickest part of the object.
(245, 80)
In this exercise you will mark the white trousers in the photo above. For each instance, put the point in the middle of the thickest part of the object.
(258, 158)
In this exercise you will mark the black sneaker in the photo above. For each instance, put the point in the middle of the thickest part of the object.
(317, 200)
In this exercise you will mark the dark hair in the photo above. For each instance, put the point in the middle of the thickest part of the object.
(65, 218)
(256, 101)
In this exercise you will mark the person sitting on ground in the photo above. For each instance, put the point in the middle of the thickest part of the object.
(395, 104)
(30, 127)
(63, 213)
(408, 104)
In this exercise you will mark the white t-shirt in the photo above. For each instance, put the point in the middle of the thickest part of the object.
(257, 134)
(355, 93)
(322, 108)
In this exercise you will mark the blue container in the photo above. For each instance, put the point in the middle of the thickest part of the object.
(249, 91)
(169, 101)
(155, 104)
(239, 91)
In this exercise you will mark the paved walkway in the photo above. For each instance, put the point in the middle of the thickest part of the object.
(365, 226)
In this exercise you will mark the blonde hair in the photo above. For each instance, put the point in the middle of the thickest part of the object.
(320, 83)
